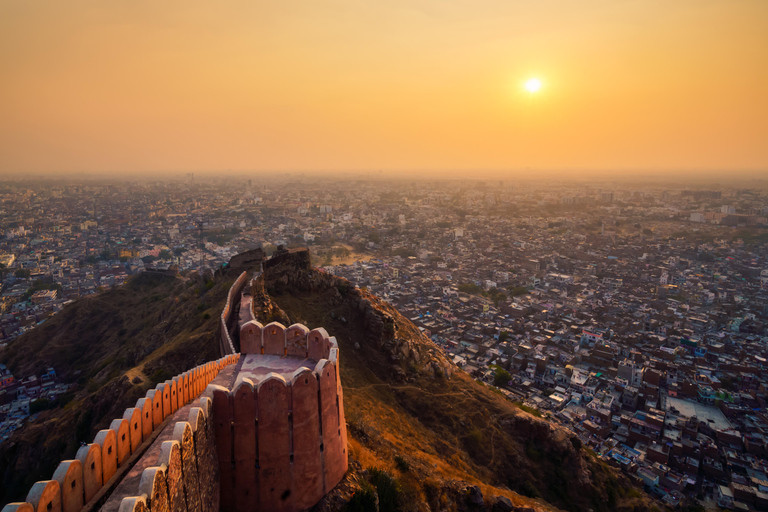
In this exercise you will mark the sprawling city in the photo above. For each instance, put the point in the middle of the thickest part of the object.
(634, 316)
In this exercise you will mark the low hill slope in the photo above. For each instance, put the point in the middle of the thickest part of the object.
(113, 347)
(426, 423)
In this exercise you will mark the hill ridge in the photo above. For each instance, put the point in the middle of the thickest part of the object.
(390, 370)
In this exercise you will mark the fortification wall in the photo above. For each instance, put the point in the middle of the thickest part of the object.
(282, 442)
(185, 477)
(233, 297)
(278, 444)
(83, 482)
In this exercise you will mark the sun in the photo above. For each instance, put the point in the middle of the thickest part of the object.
(533, 85)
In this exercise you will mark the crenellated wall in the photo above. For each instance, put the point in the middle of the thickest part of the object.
(77, 483)
(276, 442)
(185, 477)
(281, 440)
(227, 347)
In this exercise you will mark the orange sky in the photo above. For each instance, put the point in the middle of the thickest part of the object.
(193, 85)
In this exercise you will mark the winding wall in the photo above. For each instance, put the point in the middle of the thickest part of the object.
(279, 444)
(227, 314)
(84, 481)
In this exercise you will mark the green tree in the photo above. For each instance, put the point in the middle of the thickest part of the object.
(470, 288)
(501, 377)
(516, 291)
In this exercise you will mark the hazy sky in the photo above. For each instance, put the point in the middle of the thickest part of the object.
(192, 85)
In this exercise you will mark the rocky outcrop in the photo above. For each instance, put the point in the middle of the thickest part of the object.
(461, 496)
(558, 444)
(265, 308)
(384, 327)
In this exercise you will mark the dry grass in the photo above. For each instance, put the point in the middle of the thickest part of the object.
(388, 419)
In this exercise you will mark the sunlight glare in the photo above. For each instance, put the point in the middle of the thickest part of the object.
(533, 85)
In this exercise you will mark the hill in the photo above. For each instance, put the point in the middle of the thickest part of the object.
(423, 434)
(113, 346)
(441, 437)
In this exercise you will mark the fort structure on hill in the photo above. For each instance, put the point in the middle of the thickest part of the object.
(261, 429)
(280, 432)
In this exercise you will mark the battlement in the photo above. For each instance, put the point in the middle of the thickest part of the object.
(280, 432)
(273, 439)
(86, 481)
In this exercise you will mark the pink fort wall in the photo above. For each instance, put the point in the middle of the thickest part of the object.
(250, 337)
(275, 464)
(185, 484)
(273, 339)
(244, 443)
(282, 443)
(307, 459)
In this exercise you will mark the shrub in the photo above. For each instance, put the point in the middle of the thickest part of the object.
(576, 442)
(529, 410)
(387, 488)
(363, 500)
(38, 405)
(343, 288)
(160, 375)
(528, 489)
(402, 464)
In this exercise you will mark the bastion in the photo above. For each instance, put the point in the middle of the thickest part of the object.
(280, 431)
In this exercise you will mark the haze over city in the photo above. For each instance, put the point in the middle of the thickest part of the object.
(431, 86)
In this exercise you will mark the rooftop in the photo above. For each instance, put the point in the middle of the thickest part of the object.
(707, 413)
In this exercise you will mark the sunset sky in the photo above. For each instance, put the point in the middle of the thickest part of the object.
(393, 85)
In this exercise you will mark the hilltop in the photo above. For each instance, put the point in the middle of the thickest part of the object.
(447, 441)
(423, 435)
(113, 346)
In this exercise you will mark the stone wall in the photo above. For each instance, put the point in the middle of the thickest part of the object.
(252, 258)
(282, 443)
(186, 475)
(77, 483)
(227, 314)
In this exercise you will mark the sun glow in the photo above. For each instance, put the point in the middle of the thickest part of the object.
(533, 85)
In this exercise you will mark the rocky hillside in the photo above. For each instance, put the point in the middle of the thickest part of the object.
(113, 347)
(437, 439)
(423, 435)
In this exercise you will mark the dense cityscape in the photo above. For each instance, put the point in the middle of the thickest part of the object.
(633, 315)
